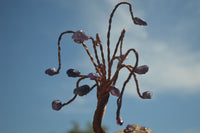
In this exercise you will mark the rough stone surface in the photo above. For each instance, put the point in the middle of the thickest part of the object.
(138, 129)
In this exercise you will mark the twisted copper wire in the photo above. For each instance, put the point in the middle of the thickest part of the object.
(136, 81)
(102, 55)
(59, 49)
(116, 48)
(70, 100)
(119, 100)
(92, 59)
(109, 28)
(95, 50)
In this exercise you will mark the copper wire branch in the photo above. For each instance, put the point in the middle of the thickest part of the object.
(119, 100)
(109, 28)
(59, 49)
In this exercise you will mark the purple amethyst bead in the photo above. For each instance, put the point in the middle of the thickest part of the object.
(56, 105)
(73, 73)
(143, 128)
(142, 69)
(79, 36)
(130, 128)
(139, 21)
(114, 91)
(82, 90)
(119, 120)
(122, 57)
(147, 94)
(93, 76)
(50, 71)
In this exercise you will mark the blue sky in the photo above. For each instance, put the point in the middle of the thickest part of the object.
(169, 45)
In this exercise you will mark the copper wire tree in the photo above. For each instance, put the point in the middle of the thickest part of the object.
(104, 81)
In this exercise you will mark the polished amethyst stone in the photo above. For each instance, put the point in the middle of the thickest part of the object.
(119, 120)
(122, 57)
(82, 90)
(130, 128)
(139, 21)
(142, 69)
(56, 105)
(93, 76)
(143, 128)
(79, 36)
(73, 73)
(50, 71)
(147, 94)
(114, 91)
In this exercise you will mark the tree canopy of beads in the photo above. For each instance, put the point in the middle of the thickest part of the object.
(104, 81)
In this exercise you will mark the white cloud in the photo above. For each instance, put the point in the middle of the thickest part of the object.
(174, 70)
(173, 67)
(191, 130)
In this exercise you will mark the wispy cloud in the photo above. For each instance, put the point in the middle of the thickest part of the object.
(173, 65)
(174, 69)
(191, 130)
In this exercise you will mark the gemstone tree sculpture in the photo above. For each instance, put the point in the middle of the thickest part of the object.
(104, 81)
